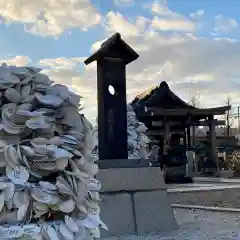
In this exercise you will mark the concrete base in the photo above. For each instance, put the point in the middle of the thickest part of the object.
(135, 201)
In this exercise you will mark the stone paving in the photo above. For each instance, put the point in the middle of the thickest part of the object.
(218, 195)
(197, 225)
(201, 224)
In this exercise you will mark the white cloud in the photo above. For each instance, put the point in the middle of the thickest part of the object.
(223, 24)
(168, 20)
(161, 8)
(17, 61)
(196, 66)
(124, 3)
(50, 18)
(173, 24)
(187, 62)
(198, 14)
(115, 21)
(61, 63)
(67, 71)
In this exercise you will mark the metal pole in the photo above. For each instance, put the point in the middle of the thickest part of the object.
(238, 118)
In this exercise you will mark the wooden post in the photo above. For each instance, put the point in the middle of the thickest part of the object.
(189, 138)
(212, 131)
(127, 184)
(193, 136)
(189, 142)
(166, 136)
(112, 58)
(238, 118)
(185, 139)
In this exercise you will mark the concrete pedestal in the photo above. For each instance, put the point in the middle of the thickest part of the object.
(135, 201)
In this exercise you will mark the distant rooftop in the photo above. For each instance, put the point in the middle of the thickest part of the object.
(161, 97)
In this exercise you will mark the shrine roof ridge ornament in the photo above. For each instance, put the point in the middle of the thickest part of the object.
(114, 47)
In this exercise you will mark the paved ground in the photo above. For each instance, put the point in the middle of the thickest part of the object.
(218, 194)
(198, 225)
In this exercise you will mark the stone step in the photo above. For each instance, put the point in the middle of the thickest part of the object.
(217, 196)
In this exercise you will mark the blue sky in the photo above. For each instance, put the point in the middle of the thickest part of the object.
(16, 41)
(196, 41)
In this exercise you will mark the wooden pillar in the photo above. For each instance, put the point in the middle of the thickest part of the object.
(112, 58)
(131, 185)
(193, 136)
(166, 136)
(189, 142)
(185, 139)
(189, 153)
(212, 136)
(188, 138)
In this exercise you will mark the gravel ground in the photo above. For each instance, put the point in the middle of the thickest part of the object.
(198, 225)
(218, 195)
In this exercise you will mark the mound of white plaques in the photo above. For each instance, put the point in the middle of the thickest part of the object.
(47, 184)
(137, 139)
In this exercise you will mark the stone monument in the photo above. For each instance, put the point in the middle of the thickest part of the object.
(134, 197)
